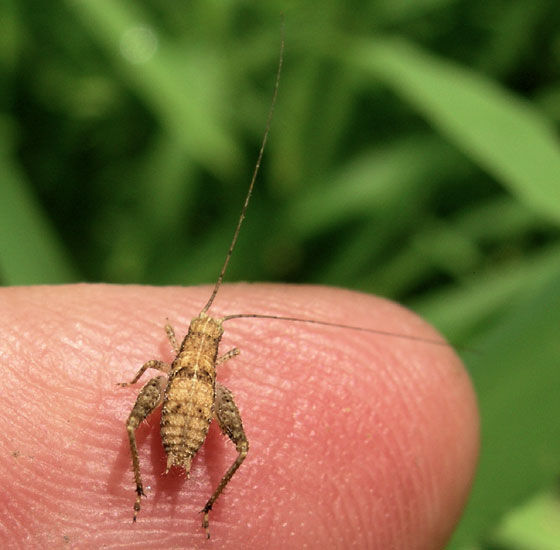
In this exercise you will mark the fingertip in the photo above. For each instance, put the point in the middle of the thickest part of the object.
(382, 431)
(358, 439)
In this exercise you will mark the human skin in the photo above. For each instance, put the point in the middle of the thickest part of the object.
(356, 439)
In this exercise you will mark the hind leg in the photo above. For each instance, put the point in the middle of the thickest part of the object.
(229, 420)
(149, 398)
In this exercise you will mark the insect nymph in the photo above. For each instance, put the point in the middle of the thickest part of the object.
(191, 398)
(190, 394)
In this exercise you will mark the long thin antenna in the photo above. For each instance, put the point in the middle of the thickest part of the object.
(253, 178)
(336, 325)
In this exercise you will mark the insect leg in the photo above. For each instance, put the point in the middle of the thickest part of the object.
(153, 364)
(223, 358)
(150, 396)
(229, 420)
(171, 336)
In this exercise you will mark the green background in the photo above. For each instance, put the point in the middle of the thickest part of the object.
(414, 154)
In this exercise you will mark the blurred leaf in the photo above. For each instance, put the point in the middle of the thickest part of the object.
(462, 310)
(183, 88)
(380, 181)
(30, 251)
(11, 36)
(501, 132)
(402, 10)
(533, 526)
(517, 378)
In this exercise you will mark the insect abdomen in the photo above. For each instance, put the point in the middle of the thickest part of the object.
(189, 396)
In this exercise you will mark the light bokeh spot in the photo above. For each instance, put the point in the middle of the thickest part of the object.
(139, 44)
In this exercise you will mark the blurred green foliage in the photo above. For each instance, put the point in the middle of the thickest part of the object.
(414, 153)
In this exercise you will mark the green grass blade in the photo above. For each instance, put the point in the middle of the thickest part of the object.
(30, 251)
(462, 309)
(533, 526)
(182, 88)
(517, 378)
(501, 132)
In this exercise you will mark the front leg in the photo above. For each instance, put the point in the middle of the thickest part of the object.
(172, 338)
(150, 396)
(229, 420)
(153, 364)
(226, 356)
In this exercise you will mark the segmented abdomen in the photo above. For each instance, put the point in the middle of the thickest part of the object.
(189, 397)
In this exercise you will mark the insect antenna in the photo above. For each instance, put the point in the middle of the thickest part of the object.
(337, 325)
(220, 279)
(253, 178)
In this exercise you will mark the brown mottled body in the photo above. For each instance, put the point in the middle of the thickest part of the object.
(191, 398)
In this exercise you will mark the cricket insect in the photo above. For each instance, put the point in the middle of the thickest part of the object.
(190, 394)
